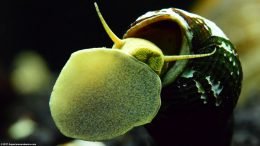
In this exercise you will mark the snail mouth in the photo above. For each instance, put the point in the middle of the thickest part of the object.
(162, 30)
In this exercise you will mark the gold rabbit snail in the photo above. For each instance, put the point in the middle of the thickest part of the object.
(102, 93)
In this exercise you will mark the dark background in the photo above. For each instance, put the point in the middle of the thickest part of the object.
(52, 30)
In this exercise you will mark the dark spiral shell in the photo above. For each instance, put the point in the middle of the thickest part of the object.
(198, 95)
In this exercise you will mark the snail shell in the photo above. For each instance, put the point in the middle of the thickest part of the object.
(198, 95)
(216, 78)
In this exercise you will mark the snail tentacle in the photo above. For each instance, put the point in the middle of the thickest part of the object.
(183, 57)
(118, 42)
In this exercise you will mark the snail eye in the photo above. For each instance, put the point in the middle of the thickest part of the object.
(103, 93)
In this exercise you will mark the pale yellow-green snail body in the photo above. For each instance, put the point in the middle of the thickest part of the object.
(102, 93)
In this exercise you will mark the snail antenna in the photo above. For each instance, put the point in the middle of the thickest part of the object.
(118, 42)
(183, 57)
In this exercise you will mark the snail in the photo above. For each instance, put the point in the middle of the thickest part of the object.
(167, 59)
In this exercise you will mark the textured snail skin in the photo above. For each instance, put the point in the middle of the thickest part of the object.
(198, 95)
(102, 93)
